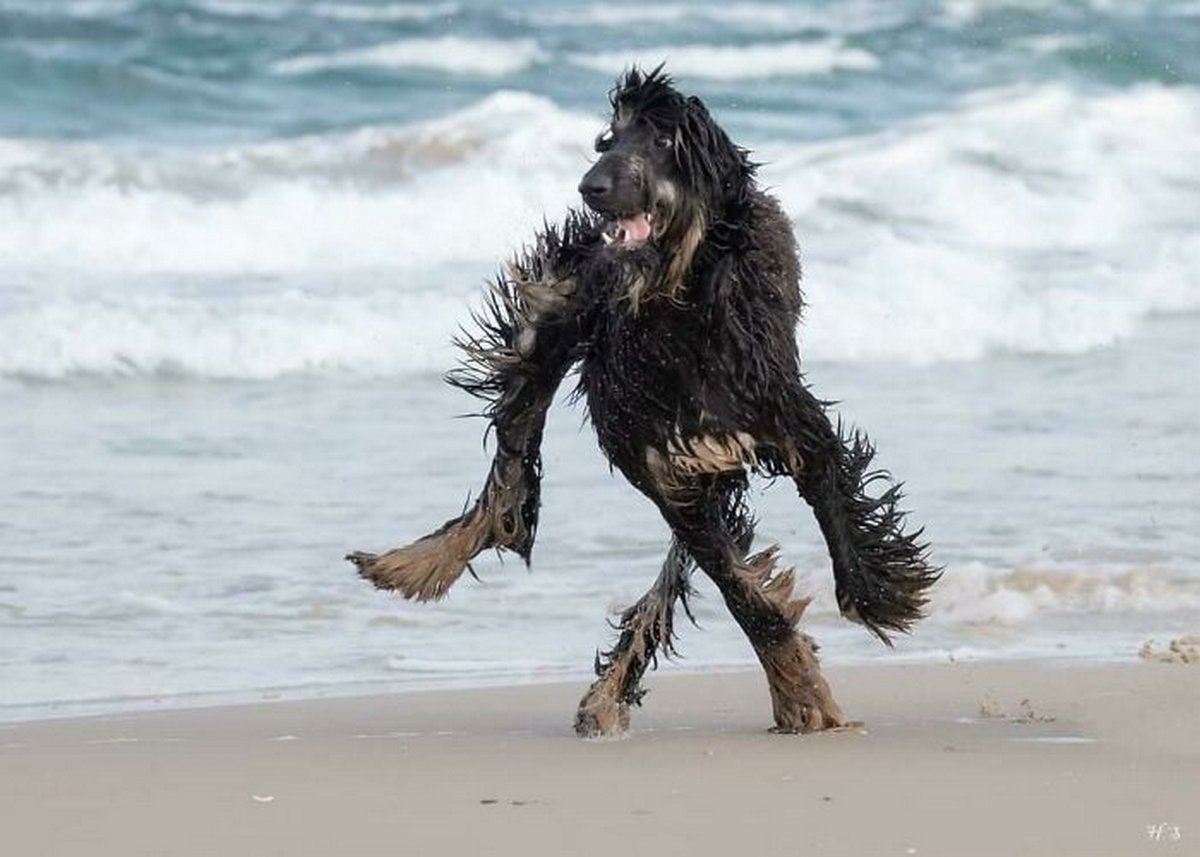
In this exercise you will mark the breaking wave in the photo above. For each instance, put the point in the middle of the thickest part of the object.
(1038, 220)
(336, 11)
(381, 197)
(751, 17)
(749, 62)
(453, 54)
(258, 337)
(977, 596)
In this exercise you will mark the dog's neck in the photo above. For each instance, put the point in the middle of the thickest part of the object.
(662, 270)
(674, 266)
(675, 274)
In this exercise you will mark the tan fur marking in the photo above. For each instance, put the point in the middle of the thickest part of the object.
(670, 284)
(681, 261)
(602, 713)
(426, 569)
(541, 297)
(703, 454)
(800, 697)
(637, 291)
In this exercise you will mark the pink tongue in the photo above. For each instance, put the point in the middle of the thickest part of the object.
(636, 228)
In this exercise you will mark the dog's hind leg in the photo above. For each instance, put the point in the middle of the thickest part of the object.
(760, 598)
(645, 628)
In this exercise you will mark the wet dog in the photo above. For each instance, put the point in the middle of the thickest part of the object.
(676, 294)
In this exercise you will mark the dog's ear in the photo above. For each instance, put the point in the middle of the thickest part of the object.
(707, 157)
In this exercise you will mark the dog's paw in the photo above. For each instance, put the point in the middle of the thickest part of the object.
(802, 718)
(361, 559)
(422, 571)
(600, 716)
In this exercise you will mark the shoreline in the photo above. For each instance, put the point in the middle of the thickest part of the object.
(57, 710)
(953, 758)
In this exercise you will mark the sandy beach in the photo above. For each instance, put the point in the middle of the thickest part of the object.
(952, 759)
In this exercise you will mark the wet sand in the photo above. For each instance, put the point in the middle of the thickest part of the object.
(953, 759)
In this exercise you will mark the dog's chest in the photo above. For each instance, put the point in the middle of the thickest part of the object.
(645, 376)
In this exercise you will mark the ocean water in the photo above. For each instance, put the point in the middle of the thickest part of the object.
(236, 237)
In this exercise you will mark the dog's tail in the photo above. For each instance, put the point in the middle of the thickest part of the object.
(882, 573)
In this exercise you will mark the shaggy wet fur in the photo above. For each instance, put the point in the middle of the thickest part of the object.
(677, 296)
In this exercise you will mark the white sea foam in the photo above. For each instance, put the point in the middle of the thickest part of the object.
(72, 8)
(1185, 10)
(451, 54)
(383, 11)
(970, 11)
(1037, 220)
(259, 337)
(1055, 43)
(748, 62)
(245, 8)
(278, 9)
(366, 222)
(975, 595)
(370, 199)
(848, 17)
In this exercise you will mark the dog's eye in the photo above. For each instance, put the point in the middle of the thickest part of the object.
(664, 141)
(604, 141)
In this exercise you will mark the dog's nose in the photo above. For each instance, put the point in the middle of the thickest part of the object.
(596, 185)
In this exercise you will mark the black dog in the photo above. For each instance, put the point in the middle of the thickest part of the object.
(678, 296)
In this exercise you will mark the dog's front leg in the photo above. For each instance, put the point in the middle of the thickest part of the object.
(882, 572)
(524, 346)
(505, 514)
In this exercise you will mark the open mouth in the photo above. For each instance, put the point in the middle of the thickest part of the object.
(629, 231)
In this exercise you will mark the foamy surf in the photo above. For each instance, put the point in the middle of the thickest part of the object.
(452, 54)
(262, 337)
(979, 596)
(387, 197)
(749, 62)
(85, 9)
(348, 11)
(1037, 220)
(743, 17)
(384, 11)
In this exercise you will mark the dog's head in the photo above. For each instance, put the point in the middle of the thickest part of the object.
(665, 169)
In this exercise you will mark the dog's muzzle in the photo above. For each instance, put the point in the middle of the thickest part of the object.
(609, 189)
